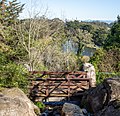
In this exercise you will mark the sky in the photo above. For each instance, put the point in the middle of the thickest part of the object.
(73, 9)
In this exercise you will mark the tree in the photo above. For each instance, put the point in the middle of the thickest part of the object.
(79, 35)
(86, 27)
(9, 11)
(113, 39)
(107, 63)
(41, 39)
(99, 36)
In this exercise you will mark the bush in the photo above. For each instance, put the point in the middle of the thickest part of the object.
(12, 74)
(100, 76)
(107, 63)
(40, 105)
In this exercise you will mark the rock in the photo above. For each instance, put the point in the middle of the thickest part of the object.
(100, 97)
(13, 102)
(112, 86)
(112, 109)
(71, 110)
(84, 111)
(94, 99)
(56, 111)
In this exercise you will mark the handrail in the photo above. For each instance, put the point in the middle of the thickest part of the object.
(57, 73)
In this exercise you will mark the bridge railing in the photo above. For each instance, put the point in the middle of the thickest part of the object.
(57, 84)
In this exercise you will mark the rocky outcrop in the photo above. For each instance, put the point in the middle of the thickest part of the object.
(13, 102)
(104, 99)
(112, 109)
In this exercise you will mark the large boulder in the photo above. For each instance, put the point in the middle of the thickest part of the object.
(13, 102)
(112, 109)
(94, 99)
(102, 96)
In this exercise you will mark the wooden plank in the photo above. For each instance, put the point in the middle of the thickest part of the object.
(61, 74)
(63, 79)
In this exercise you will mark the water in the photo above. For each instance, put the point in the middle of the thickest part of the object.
(70, 46)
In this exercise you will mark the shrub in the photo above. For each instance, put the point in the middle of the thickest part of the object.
(106, 63)
(12, 74)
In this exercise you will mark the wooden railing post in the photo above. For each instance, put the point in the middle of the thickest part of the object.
(47, 90)
(68, 80)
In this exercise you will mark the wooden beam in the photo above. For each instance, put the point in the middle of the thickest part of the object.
(57, 73)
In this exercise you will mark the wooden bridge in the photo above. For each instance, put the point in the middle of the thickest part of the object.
(57, 84)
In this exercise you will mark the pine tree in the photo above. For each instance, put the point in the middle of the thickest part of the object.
(9, 11)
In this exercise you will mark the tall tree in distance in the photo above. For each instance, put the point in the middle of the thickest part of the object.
(113, 39)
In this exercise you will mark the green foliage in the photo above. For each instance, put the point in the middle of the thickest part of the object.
(10, 44)
(72, 24)
(9, 11)
(40, 105)
(113, 39)
(97, 58)
(100, 76)
(86, 27)
(99, 36)
(106, 63)
(12, 74)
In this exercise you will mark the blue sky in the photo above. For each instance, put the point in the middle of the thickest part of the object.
(75, 9)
